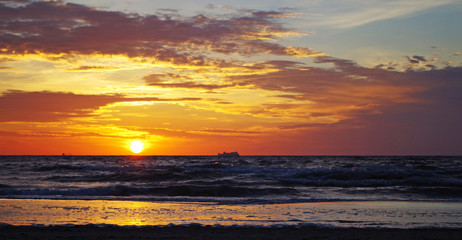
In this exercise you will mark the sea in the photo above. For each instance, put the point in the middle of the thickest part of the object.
(359, 191)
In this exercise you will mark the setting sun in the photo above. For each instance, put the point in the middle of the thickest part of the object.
(136, 146)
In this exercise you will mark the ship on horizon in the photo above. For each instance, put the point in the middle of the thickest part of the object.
(228, 154)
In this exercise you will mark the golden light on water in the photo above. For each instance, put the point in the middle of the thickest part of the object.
(136, 146)
(123, 213)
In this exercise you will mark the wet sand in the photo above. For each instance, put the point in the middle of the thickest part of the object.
(104, 219)
(90, 232)
(137, 213)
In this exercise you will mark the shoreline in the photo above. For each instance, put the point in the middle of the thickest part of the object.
(110, 219)
(193, 232)
(359, 214)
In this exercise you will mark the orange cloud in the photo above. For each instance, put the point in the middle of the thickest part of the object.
(53, 106)
(92, 68)
(162, 80)
(347, 90)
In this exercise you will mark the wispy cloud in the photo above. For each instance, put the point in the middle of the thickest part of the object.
(169, 80)
(93, 68)
(55, 27)
(365, 12)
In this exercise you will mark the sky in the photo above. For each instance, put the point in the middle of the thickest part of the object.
(305, 77)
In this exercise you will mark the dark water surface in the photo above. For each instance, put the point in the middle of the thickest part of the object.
(242, 180)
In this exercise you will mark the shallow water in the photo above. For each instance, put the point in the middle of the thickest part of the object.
(332, 214)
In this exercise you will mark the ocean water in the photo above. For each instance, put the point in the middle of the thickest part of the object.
(335, 190)
(241, 180)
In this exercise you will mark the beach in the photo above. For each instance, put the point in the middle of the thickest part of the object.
(357, 214)
(106, 219)
(253, 197)
(89, 232)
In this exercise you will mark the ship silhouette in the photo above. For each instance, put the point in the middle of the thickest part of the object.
(228, 154)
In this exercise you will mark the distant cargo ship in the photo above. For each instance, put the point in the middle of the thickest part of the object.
(228, 154)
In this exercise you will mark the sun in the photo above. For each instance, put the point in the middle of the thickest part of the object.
(136, 146)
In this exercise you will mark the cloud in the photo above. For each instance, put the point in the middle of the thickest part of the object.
(348, 91)
(359, 13)
(56, 27)
(419, 58)
(430, 67)
(3, 60)
(15, 2)
(54, 134)
(416, 59)
(225, 132)
(185, 81)
(45, 106)
(350, 109)
(93, 68)
(163, 80)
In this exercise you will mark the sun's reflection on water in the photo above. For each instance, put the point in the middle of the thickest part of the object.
(139, 213)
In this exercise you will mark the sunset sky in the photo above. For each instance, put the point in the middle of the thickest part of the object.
(304, 77)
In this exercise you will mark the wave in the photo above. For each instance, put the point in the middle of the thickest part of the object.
(276, 178)
(371, 177)
(374, 176)
(123, 190)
